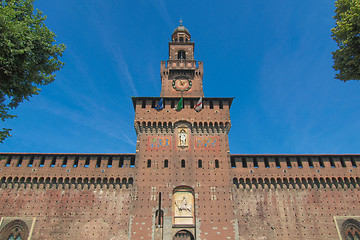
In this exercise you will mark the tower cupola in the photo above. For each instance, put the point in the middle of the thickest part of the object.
(181, 34)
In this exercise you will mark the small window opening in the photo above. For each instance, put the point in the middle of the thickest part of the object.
(216, 163)
(181, 55)
(181, 39)
(109, 164)
(64, 163)
(121, 162)
(166, 163)
(321, 162)
(53, 161)
(98, 162)
(172, 103)
(132, 161)
(183, 163)
(31, 161)
(42, 161)
(148, 163)
(143, 103)
(19, 161)
(353, 163)
(256, 165)
(199, 163)
(277, 163)
(192, 104)
(311, 164)
(332, 163)
(76, 161)
(288, 163)
(87, 162)
(153, 104)
(299, 162)
(233, 162)
(343, 164)
(221, 106)
(244, 163)
(211, 103)
(266, 162)
(8, 161)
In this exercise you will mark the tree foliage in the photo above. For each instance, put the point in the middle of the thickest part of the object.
(28, 55)
(347, 35)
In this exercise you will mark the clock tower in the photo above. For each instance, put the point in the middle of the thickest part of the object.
(182, 155)
(181, 75)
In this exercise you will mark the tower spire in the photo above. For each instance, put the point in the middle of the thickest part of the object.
(181, 21)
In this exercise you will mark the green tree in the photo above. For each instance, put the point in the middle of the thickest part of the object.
(28, 55)
(347, 35)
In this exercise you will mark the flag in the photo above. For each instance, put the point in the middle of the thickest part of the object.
(199, 105)
(160, 105)
(180, 105)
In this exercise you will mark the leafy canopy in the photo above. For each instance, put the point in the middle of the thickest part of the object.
(347, 35)
(28, 55)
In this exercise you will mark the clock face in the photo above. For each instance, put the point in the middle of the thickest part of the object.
(182, 83)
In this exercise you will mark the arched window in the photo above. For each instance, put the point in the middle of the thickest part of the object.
(216, 163)
(200, 163)
(166, 163)
(182, 55)
(183, 163)
(148, 163)
(350, 229)
(15, 230)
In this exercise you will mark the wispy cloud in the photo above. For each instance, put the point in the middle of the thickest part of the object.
(122, 70)
(160, 5)
(94, 116)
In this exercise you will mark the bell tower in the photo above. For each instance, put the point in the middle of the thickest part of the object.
(181, 74)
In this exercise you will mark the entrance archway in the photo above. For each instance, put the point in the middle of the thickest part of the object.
(183, 235)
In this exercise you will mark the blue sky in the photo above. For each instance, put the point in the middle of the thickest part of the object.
(273, 56)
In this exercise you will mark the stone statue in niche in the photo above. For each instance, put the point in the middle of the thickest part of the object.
(183, 205)
(183, 137)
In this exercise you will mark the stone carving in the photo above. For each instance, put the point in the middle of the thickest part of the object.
(183, 205)
(183, 137)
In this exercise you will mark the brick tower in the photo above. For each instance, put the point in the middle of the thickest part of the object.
(182, 155)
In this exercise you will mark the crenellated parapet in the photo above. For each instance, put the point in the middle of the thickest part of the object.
(66, 170)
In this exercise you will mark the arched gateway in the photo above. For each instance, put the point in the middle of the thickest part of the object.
(183, 235)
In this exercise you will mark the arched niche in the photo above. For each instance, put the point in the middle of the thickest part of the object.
(183, 206)
(183, 134)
